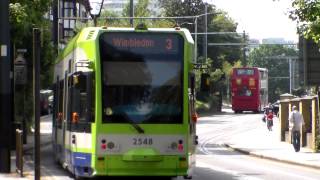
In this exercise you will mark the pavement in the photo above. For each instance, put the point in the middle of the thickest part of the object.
(28, 166)
(266, 144)
(257, 142)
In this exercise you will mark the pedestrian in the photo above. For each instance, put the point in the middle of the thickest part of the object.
(266, 111)
(296, 122)
(270, 120)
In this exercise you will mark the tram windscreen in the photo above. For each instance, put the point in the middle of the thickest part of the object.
(141, 77)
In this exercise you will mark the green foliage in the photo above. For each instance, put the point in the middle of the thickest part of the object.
(318, 143)
(218, 21)
(202, 106)
(269, 56)
(140, 10)
(307, 15)
(24, 15)
(208, 104)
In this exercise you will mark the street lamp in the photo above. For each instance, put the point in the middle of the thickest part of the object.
(206, 34)
(96, 10)
(180, 24)
(196, 31)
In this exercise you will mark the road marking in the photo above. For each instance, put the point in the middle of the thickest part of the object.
(227, 171)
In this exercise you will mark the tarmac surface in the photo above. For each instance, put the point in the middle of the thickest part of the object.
(257, 142)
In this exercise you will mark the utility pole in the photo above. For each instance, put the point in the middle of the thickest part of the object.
(131, 12)
(206, 35)
(290, 74)
(55, 24)
(196, 40)
(6, 78)
(244, 49)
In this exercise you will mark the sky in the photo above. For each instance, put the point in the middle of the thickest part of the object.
(260, 18)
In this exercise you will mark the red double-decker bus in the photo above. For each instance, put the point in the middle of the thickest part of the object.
(249, 89)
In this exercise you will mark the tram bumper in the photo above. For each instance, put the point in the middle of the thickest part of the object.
(143, 162)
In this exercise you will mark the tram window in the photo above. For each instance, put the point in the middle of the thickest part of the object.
(59, 103)
(60, 106)
(79, 96)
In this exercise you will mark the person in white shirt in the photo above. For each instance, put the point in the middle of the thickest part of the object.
(296, 122)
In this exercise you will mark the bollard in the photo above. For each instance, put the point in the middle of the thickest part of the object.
(283, 117)
(306, 111)
(315, 121)
(19, 152)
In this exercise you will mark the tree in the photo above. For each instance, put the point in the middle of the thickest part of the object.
(24, 15)
(141, 9)
(273, 57)
(218, 21)
(307, 15)
(223, 23)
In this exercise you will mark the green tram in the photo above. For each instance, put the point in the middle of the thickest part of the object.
(124, 103)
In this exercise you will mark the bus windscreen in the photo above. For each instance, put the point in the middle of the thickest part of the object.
(245, 72)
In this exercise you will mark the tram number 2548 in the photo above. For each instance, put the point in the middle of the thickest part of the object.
(142, 141)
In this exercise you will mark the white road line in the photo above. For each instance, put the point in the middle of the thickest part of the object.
(227, 171)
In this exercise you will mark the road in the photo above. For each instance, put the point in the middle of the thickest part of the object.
(214, 160)
(222, 163)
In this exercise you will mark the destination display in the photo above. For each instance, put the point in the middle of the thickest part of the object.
(144, 42)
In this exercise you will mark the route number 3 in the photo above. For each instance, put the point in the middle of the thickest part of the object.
(168, 44)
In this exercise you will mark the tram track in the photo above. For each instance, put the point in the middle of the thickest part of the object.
(216, 137)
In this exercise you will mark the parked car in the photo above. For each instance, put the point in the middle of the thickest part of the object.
(275, 107)
(44, 101)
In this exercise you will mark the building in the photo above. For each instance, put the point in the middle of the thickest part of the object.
(309, 64)
(67, 15)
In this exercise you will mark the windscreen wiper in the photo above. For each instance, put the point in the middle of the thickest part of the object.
(133, 124)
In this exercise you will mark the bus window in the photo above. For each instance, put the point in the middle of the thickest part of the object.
(245, 91)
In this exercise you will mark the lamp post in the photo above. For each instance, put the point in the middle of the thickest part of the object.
(131, 12)
(206, 30)
(196, 33)
(95, 14)
(290, 60)
(195, 37)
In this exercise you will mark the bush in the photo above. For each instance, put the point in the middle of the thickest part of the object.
(207, 104)
(318, 143)
(202, 106)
